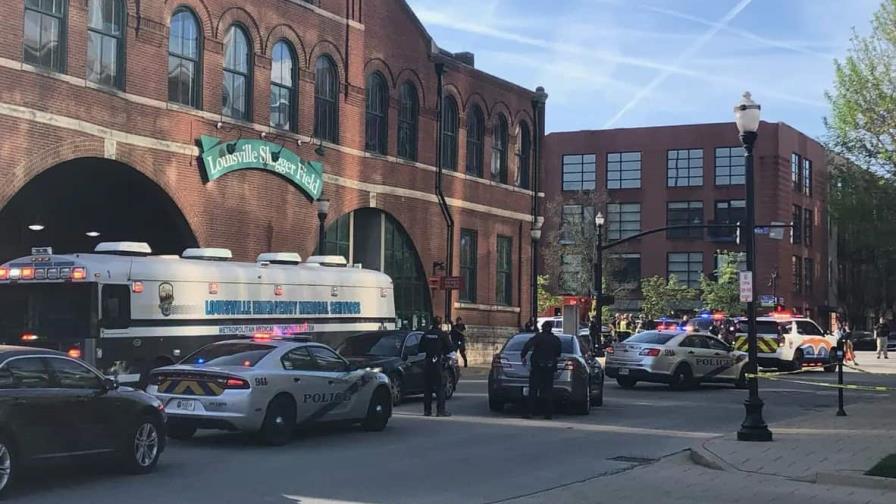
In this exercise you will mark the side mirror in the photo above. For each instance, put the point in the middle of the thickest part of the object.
(404, 356)
(110, 384)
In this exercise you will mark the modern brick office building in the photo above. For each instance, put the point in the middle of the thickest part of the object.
(651, 177)
(118, 117)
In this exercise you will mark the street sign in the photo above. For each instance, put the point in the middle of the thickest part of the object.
(767, 301)
(452, 283)
(746, 286)
(761, 230)
(777, 233)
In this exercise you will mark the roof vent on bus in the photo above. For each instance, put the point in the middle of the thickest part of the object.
(123, 248)
(331, 260)
(280, 258)
(208, 254)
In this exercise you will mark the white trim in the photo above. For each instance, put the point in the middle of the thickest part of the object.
(489, 308)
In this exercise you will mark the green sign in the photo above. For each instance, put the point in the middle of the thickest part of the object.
(222, 158)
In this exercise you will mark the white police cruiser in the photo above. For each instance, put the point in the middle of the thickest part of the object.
(679, 358)
(789, 343)
(268, 385)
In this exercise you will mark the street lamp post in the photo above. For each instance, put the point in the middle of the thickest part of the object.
(599, 222)
(323, 208)
(535, 233)
(746, 116)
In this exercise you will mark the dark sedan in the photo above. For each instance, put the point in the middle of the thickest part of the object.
(578, 381)
(57, 409)
(397, 355)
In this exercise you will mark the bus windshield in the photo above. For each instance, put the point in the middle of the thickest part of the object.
(45, 315)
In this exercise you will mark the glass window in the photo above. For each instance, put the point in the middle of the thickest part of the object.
(730, 166)
(116, 306)
(475, 141)
(283, 87)
(468, 263)
(504, 272)
(651, 338)
(694, 341)
(338, 241)
(573, 218)
(44, 36)
(623, 220)
(809, 274)
(579, 172)
(28, 373)
(229, 354)
(327, 360)
(377, 114)
(797, 272)
(6, 381)
(625, 269)
(412, 344)
(298, 360)
(687, 267)
(796, 236)
(73, 375)
(716, 344)
(684, 167)
(571, 273)
(449, 133)
(624, 170)
(105, 19)
(795, 172)
(499, 150)
(807, 328)
(808, 224)
(740, 261)
(807, 177)
(516, 343)
(378, 344)
(184, 62)
(684, 213)
(728, 212)
(524, 160)
(237, 74)
(326, 109)
(407, 122)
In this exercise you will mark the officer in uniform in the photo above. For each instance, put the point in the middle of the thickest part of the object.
(546, 349)
(436, 345)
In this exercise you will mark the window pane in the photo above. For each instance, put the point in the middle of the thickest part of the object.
(28, 373)
(71, 375)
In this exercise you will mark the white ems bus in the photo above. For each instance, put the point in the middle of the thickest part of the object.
(127, 311)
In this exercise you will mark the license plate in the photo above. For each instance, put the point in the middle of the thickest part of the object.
(623, 371)
(525, 391)
(185, 405)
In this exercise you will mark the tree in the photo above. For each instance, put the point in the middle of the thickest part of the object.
(545, 298)
(662, 296)
(862, 125)
(723, 293)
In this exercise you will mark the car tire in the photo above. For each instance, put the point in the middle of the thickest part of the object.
(832, 361)
(626, 383)
(181, 431)
(379, 411)
(495, 404)
(279, 422)
(742, 382)
(598, 400)
(8, 466)
(797, 363)
(682, 378)
(396, 387)
(143, 446)
(583, 407)
(450, 385)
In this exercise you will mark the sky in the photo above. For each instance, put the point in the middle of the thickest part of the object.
(630, 63)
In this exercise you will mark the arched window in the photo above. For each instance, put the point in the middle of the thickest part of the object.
(326, 111)
(499, 150)
(407, 122)
(449, 133)
(44, 33)
(377, 117)
(184, 62)
(105, 44)
(283, 87)
(237, 74)
(475, 141)
(524, 156)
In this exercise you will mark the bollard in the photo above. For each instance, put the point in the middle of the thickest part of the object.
(840, 355)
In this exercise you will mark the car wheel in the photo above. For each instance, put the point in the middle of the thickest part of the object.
(450, 385)
(832, 361)
(742, 382)
(378, 412)
(797, 363)
(144, 446)
(495, 404)
(397, 388)
(682, 378)
(584, 407)
(279, 422)
(626, 383)
(598, 400)
(7, 464)
(181, 431)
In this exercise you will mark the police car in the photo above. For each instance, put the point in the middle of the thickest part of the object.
(788, 343)
(679, 358)
(269, 386)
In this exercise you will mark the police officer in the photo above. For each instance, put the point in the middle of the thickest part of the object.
(545, 348)
(459, 338)
(436, 345)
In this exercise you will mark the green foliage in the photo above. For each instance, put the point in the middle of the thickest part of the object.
(545, 299)
(724, 293)
(662, 296)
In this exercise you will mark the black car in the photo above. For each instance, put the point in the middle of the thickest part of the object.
(396, 354)
(54, 408)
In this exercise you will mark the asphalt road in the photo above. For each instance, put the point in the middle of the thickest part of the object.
(476, 456)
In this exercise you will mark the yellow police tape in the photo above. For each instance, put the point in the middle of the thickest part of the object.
(870, 388)
(856, 368)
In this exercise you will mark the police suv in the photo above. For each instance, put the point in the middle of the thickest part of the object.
(679, 358)
(268, 385)
(788, 343)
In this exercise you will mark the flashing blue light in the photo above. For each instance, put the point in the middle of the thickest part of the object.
(200, 361)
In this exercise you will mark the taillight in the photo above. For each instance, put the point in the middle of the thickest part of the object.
(137, 287)
(4, 273)
(501, 362)
(780, 341)
(568, 365)
(609, 350)
(29, 337)
(650, 352)
(236, 383)
(74, 352)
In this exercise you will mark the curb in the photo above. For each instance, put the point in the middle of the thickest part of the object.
(703, 457)
(855, 480)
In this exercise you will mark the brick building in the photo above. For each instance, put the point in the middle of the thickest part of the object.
(113, 112)
(648, 178)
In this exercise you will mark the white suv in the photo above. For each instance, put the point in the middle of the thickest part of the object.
(789, 343)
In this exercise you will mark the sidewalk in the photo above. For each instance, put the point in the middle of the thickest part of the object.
(868, 361)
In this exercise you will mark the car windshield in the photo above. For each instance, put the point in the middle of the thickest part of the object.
(229, 354)
(515, 344)
(652, 338)
(762, 326)
(380, 344)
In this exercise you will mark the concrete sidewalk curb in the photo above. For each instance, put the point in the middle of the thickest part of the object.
(705, 458)
(855, 480)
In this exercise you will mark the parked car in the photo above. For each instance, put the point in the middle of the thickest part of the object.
(788, 343)
(57, 409)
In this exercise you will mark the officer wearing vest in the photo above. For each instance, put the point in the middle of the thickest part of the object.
(546, 349)
(436, 345)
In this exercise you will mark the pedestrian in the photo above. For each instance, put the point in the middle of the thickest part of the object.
(845, 334)
(459, 338)
(594, 335)
(546, 349)
(882, 333)
(436, 345)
